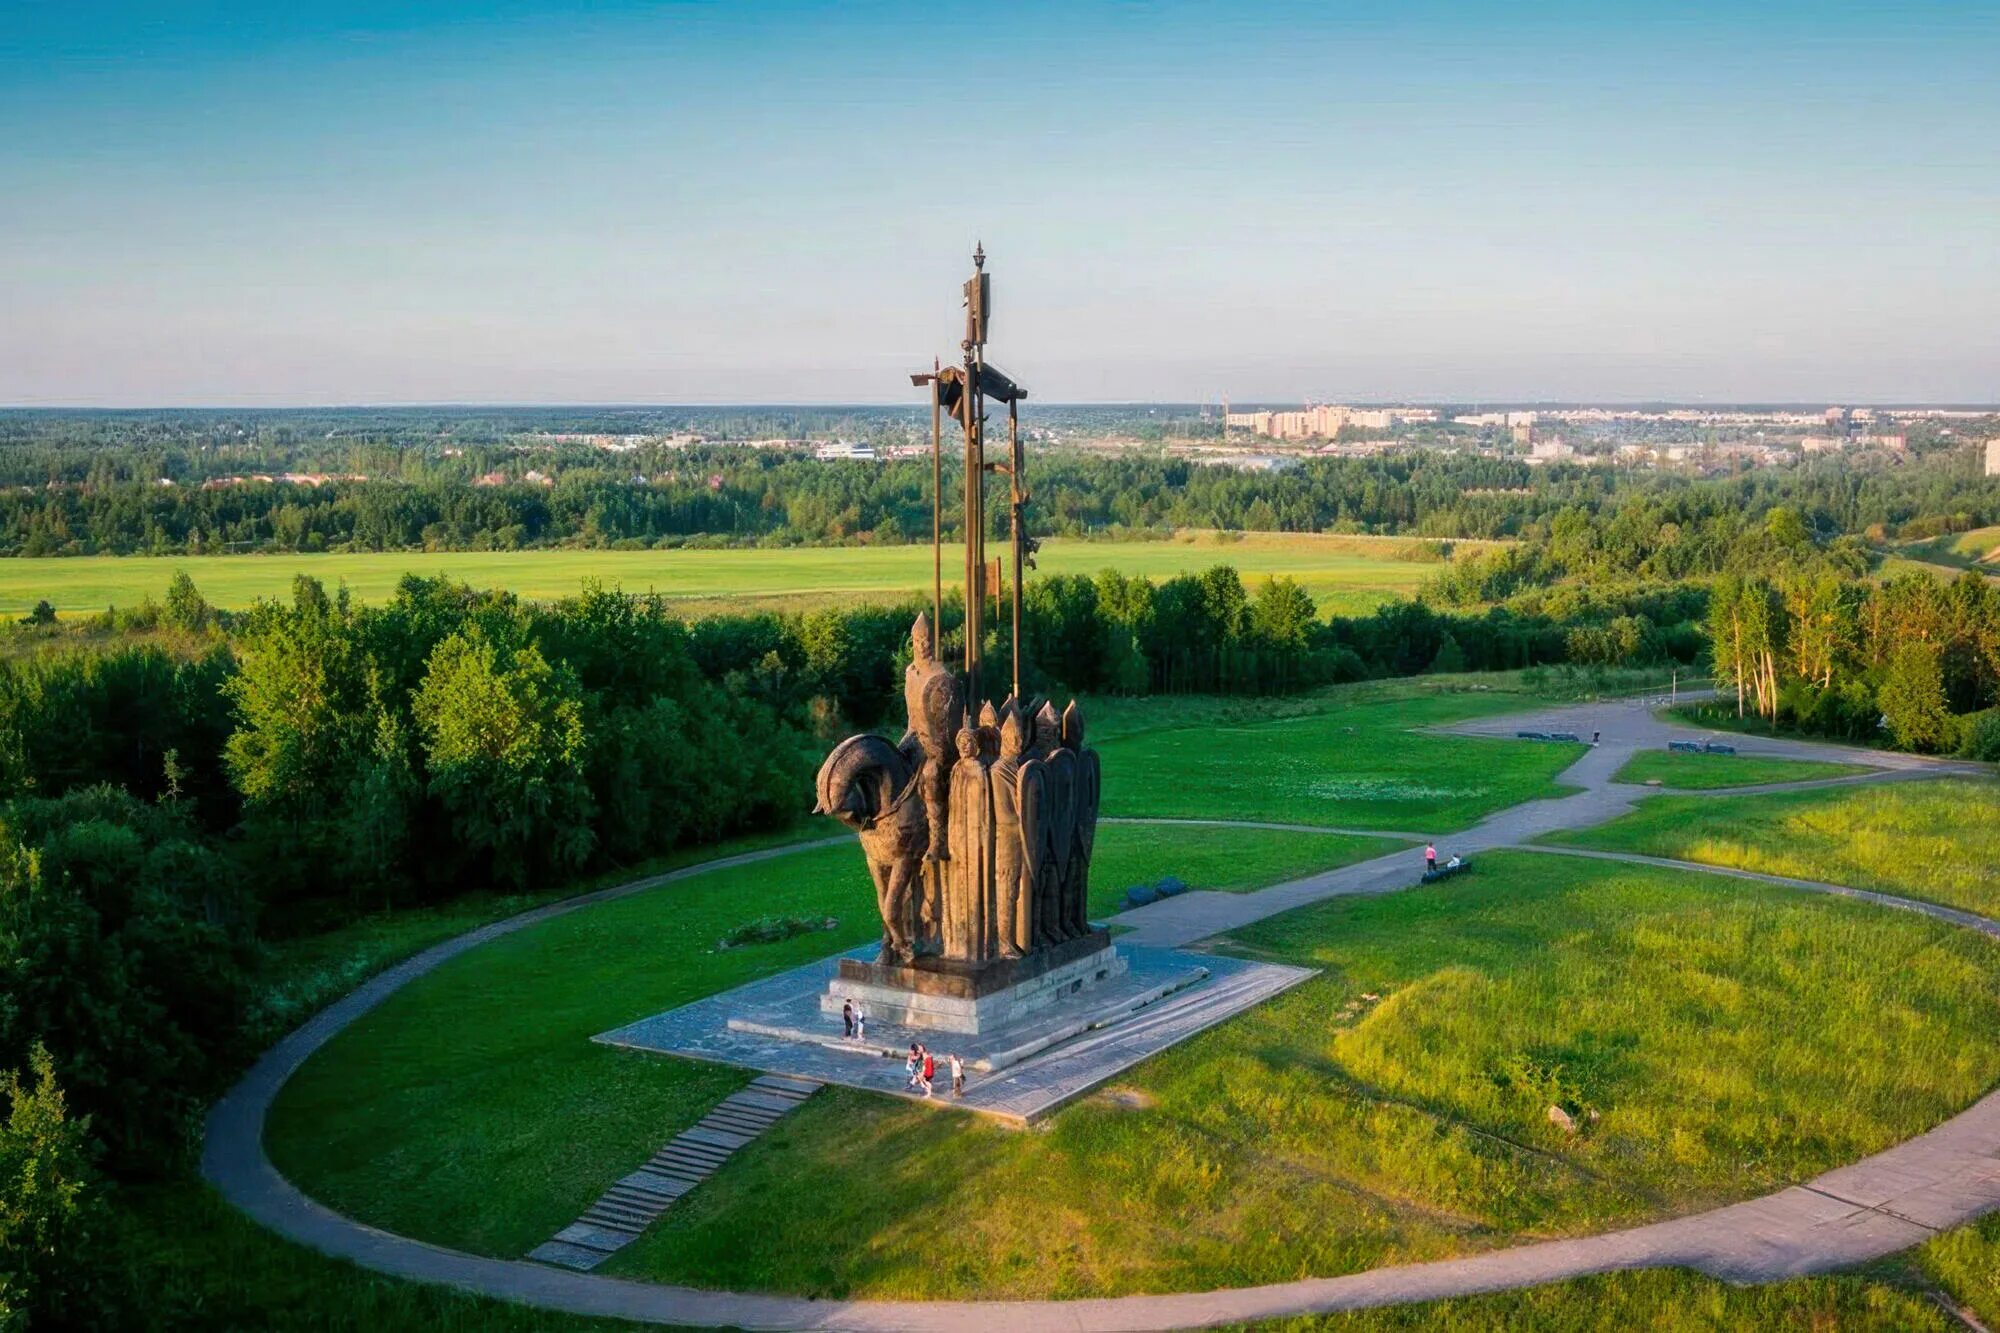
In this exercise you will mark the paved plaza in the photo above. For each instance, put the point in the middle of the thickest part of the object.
(1018, 1075)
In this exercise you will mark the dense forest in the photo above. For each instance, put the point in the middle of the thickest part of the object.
(148, 485)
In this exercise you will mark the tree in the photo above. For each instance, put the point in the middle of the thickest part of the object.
(50, 1270)
(185, 607)
(1450, 657)
(504, 744)
(43, 614)
(1912, 698)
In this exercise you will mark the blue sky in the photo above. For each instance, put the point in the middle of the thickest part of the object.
(206, 203)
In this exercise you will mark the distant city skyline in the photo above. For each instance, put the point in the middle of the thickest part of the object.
(317, 204)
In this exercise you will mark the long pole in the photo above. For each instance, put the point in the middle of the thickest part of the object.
(975, 558)
(1018, 498)
(937, 510)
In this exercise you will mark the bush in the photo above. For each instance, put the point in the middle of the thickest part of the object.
(1979, 736)
(123, 950)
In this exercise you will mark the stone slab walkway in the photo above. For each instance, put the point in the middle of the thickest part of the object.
(1885, 1203)
(636, 1201)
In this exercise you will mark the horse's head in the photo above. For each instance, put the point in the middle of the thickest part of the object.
(859, 779)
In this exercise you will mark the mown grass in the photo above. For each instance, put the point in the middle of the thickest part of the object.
(1732, 1038)
(1344, 574)
(1351, 758)
(198, 1264)
(1704, 772)
(1664, 1301)
(471, 1108)
(1938, 841)
(1224, 860)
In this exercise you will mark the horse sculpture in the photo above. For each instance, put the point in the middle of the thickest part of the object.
(870, 786)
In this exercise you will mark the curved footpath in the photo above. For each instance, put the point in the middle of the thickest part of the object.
(1888, 1202)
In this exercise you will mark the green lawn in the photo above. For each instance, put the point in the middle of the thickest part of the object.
(1353, 760)
(1938, 841)
(1660, 1302)
(1703, 772)
(1958, 550)
(1345, 574)
(1225, 860)
(1734, 1038)
(452, 1111)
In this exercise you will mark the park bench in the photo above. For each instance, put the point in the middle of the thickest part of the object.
(1140, 895)
(1531, 735)
(1684, 747)
(1447, 870)
(1713, 748)
(1568, 737)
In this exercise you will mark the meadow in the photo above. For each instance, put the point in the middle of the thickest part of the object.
(1392, 1109)
(1354, 759)
(1956, 550)
(1347, 575)
(1938, 841)
(1708, 772)
(468, 1129)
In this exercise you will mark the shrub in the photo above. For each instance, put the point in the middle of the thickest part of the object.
(1979, 736)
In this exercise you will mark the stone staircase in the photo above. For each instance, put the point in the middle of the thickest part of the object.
(636, 1201)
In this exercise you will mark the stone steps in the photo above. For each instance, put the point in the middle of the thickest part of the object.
(634, 1202)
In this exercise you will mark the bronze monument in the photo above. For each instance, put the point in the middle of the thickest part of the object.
(978, 826)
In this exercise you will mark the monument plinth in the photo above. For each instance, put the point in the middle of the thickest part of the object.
(948, 995)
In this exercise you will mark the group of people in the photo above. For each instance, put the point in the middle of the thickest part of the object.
(921, 1066)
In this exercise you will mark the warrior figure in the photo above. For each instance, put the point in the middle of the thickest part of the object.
(969, 877)
(936, 703)
(1013, 888)
(1046, 785)
(1076, 879)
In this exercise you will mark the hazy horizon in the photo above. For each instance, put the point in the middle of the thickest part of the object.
(505, 204)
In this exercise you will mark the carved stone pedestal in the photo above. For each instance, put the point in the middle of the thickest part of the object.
(945, 995)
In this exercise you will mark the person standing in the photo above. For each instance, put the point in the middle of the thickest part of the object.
(957, 1075)
(913, 1066)
(861, 1025)
(1430, 859)
(930, 1071)
(847, 1020)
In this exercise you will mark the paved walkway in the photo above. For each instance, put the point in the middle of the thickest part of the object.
(1875, 1207)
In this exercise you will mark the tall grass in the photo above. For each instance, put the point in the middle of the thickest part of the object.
(1731, 1038)
(1937, 841)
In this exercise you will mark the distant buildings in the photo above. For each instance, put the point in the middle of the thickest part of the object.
(1324, 421)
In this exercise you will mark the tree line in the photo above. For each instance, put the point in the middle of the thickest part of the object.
(434, 488)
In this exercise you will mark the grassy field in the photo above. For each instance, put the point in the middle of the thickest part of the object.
(1323, 1132)
(1938, 841)
(1344, 574)
(1957, 550)
(1705, 772)
(1393, 1109)
(464, 1129)
(1352, 761)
